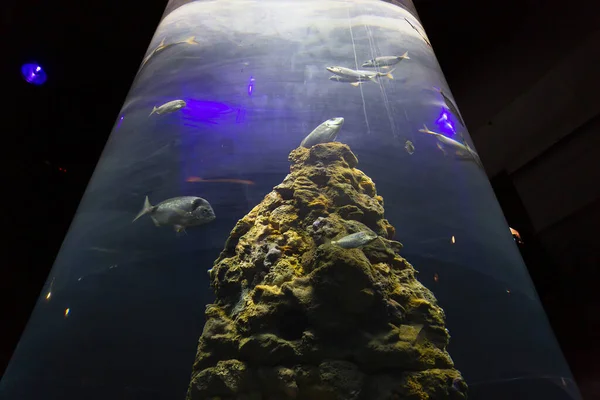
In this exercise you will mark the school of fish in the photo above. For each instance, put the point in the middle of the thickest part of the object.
(187, 211)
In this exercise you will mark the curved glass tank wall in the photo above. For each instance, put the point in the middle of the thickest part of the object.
(277, 176)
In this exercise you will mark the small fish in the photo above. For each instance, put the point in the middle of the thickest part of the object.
(385, 61)
(359, 74)
(461, 151)
(419, 32)
(353, 81)
(410, 147)
(169, 107)
(451, 106)
(516, 235)
(355, 240)
(222, 180)
(162, 46)
(324, 133)
(179, 212)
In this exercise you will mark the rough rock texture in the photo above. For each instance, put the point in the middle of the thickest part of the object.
(296, 317)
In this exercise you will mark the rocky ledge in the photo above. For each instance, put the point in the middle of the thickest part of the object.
(297, 317)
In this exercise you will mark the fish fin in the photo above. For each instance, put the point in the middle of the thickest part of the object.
(373, 78)
(148, 208)
(156, 223)
(385, 67)
(162, 43)
(439, 146)
(405, 56)
(191, 40)
(153, 110)
(179, 229)
(356, 84)
(389, 74)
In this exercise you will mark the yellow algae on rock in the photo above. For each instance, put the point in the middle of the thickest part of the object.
(296, 317)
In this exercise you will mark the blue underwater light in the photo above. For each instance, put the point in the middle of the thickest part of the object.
(445, 122)
(204, 111)
(33, 73)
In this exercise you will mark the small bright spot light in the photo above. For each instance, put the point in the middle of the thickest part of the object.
(67, 312)
(453, 240)
(48, 295)
(33, 73)
(508, 291)
(436, 277)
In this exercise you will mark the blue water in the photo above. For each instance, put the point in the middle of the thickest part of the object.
(255, 86)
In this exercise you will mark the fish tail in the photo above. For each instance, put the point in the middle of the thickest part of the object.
(191, 40)
(426, 130)
(153, 110)
(356, 84)
(405, 56)
(389, 74)
(145, 210)
(421, 335)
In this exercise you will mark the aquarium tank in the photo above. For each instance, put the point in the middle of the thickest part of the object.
(289, 206)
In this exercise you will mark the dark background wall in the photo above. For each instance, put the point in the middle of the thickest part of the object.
(524, 74)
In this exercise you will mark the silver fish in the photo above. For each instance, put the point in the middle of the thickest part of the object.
(179, 212)
(461, 151)
(355, 240)
(409, 147)
(451, 106)
(353, 81)
(169, 107)
(359, 74)
(385, 61)
(324, 133)
(162, 46)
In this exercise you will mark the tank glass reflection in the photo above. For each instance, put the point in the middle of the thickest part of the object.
(289, 207)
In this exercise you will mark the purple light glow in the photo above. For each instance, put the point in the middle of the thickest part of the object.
(33, 73)
(250, 86)
(206, 112)
(445, 122)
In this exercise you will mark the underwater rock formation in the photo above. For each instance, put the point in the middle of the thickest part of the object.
(297, 317)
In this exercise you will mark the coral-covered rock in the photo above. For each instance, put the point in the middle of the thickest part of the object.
(297, 317)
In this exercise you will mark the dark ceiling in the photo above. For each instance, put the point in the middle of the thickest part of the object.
(524, 74)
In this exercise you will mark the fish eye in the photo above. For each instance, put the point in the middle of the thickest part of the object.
(196, 204)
